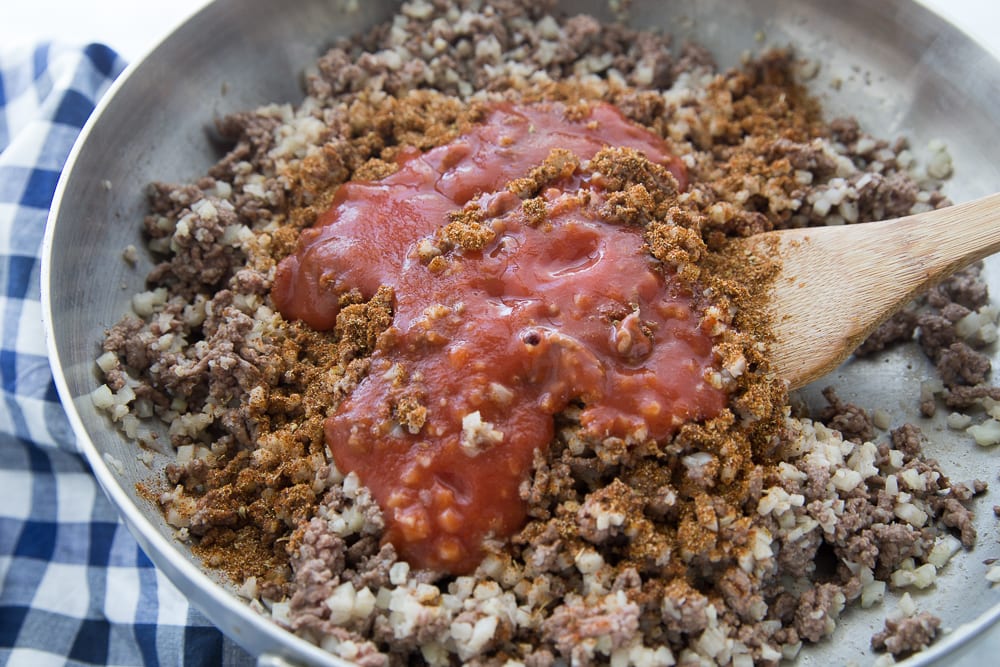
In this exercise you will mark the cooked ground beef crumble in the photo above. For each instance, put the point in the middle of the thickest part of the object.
(732, 543)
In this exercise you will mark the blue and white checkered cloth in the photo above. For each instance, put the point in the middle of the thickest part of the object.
(75, 589)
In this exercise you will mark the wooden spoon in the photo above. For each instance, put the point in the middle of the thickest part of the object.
(837, 284)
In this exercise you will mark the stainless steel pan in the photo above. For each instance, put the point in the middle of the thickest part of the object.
(902, 70)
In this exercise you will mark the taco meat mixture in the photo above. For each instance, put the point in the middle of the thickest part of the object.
(453, 362)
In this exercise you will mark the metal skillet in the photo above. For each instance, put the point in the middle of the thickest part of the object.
(900, 69)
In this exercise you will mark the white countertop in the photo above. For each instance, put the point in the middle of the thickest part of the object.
(130, 27)
(133, 27)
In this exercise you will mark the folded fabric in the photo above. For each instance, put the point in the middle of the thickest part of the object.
(75, 588)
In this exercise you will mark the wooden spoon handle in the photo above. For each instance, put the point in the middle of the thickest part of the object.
(837, 284)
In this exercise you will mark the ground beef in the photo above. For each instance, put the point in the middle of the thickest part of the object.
(964, 370)
(818, 610)
(898, 328)
(897, 542)
(574, 627)
(740, 594)
(955, 515)
(798, 558)
(907, 635)
(851, 420)
(124, 340)
(959, 364)
(892, 196)
(963, 398)
(685, 610)
(191, 474)
(372, 570)
(908, 439)
(845, 130)
(251, 136)
(201, 261)
(807, 157)
(937, 334)
(965, 287)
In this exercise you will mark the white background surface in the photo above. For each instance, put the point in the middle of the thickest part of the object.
(133, 27)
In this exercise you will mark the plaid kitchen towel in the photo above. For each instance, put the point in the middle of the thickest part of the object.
(75, 589)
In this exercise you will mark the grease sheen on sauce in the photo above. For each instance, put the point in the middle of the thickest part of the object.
(573, 310)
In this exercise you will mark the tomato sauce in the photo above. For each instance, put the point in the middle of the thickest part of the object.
(490, 344)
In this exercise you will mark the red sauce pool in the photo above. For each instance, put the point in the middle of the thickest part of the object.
(570, 311)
